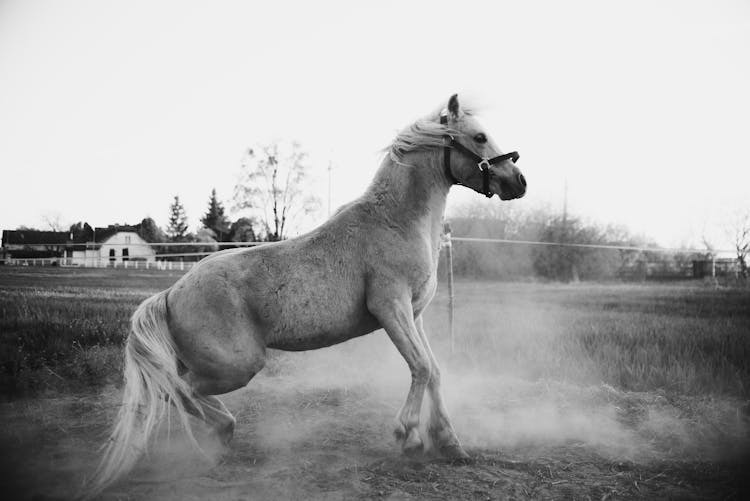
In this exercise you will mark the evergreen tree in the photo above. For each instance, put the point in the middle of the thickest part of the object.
(150, 232)
(215, 219)
(177, 227)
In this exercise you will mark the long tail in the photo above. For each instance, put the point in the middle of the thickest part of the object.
(151, 385)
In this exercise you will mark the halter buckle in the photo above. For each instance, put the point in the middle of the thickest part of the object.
(484, 164)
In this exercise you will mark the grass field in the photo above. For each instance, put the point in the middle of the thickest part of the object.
(573, 391)
(63, 329)
(60, 326)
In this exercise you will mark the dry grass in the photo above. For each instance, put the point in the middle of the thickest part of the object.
(66, 327)
(63, 329)
(572, 392)
(681, 338)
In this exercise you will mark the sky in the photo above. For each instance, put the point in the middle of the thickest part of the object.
(110, 108)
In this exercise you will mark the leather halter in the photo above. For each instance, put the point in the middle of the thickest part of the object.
(483, 163)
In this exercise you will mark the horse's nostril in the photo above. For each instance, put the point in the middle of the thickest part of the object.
(522, 180)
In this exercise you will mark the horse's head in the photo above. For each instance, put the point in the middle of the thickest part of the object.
(473, 159)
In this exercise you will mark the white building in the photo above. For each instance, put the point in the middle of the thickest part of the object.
(113, 247)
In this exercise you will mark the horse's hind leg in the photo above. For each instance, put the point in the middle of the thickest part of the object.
(221, 380)
(215, 414)
(218, 344)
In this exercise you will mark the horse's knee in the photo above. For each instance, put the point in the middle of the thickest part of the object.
(421, 370)
(435, 375)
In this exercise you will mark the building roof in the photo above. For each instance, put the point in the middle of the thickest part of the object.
(35, 237)
(103, 234)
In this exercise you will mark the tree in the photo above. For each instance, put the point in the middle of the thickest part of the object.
(739, 233)
(177, 227)
(54, 221)
(150, 232)
(81, 232)
(242, 230)
(570, 263)
(214, 219)
(480, 219)
(271, 185)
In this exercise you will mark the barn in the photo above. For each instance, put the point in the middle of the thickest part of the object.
(113, 244)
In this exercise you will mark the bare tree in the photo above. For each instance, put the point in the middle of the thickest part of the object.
(739, 233)
(55, 222)
(271, 185)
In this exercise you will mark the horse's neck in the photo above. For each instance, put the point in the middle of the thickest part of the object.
(413, 195)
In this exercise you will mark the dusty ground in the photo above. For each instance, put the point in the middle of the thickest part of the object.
(318, 426)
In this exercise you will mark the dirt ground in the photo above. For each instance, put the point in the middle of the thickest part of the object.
(318, 426)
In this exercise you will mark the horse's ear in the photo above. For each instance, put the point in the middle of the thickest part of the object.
(453, 107)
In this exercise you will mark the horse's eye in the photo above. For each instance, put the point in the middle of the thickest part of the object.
(480, 138)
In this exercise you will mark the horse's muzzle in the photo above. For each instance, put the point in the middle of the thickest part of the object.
(510, 190)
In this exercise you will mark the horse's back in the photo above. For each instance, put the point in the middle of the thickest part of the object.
(304, 293)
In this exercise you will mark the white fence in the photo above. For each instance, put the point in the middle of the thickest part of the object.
(101, 263)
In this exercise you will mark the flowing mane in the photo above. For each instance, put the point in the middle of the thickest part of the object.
(425, 133)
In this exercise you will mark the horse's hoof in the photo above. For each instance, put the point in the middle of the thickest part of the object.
(414, 450)
(224, 435)
(456, 454)
(413, 445)
(399, 433)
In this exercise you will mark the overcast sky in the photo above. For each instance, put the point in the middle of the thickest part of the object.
(108, 109)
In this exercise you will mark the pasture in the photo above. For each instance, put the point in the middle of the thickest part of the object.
(557, 391)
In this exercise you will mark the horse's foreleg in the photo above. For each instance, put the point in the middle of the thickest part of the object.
(397, 318)
(440, 428)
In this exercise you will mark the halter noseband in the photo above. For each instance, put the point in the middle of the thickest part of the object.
(483, 163)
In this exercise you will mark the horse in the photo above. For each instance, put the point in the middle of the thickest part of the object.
(372, 265)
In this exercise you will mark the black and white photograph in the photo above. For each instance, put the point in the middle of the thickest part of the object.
(395, 250)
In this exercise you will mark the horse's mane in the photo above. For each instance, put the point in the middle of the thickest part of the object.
(425, 133)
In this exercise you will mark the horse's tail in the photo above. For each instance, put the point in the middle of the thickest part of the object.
(151, 384)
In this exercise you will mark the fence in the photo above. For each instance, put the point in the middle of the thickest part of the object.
(664, 268)
(101, 263)
(642, 268)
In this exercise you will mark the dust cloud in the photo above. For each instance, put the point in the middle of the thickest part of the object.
(366, 381)
(336, 406)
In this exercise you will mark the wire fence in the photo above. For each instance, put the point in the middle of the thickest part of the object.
(163, 260)
(183, 261)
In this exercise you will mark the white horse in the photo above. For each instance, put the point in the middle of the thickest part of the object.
(372, 265)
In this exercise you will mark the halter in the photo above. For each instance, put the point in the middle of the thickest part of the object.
(483, 163)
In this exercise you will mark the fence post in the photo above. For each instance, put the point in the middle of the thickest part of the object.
(713, 265)
(449, 265)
